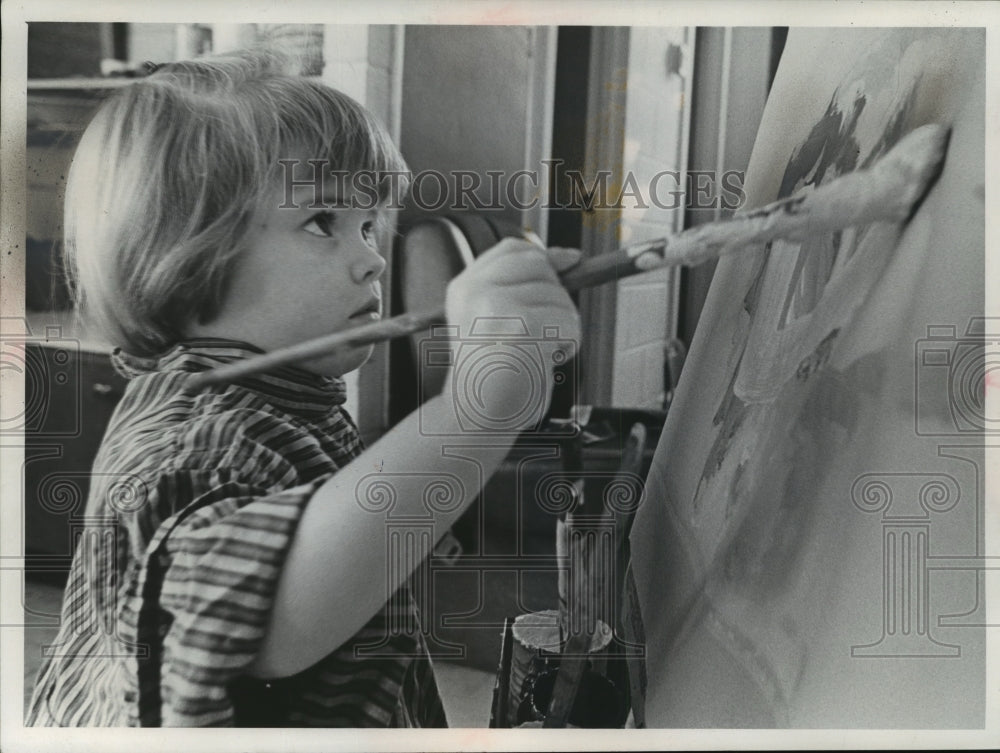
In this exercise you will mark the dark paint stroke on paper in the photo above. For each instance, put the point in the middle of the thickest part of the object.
(831, 149)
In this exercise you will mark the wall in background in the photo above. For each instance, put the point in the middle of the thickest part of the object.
(638, 117)
(468, 103)
(733, 72)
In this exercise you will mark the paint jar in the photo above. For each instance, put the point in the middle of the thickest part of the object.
(598, 702)
(536, 652)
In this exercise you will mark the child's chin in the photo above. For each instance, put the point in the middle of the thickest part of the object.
(339, 364)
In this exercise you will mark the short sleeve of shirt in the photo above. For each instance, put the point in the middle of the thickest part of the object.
(203, 597)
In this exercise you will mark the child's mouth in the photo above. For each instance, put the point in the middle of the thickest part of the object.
(371, 310)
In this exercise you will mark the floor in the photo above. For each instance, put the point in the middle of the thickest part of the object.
(42, 605)
(466, 691)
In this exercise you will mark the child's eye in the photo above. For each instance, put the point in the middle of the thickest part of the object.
(321, 224)
(368, 232)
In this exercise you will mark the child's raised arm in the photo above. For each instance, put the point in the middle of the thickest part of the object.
(335, 575)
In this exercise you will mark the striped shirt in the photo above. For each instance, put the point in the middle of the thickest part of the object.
(193, 503)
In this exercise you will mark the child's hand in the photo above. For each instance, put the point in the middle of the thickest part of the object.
(515, 323)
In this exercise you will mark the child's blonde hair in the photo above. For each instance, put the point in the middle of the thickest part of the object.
(169, 171)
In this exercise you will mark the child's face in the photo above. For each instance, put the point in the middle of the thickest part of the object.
(304, 273)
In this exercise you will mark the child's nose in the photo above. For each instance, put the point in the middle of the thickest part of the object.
(369, 266)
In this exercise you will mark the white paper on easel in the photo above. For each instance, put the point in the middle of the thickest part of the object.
(810, 552)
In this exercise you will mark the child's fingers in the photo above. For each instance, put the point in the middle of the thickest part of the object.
(514, 262)
(508, 246)
(516, 276)
(519, 257)
(530, 235)
(562, 258)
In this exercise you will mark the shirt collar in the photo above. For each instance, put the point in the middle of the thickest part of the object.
(286, 387)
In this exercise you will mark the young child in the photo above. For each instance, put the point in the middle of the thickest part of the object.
(228, 574)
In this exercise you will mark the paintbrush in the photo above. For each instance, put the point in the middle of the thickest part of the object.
(889, 191)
